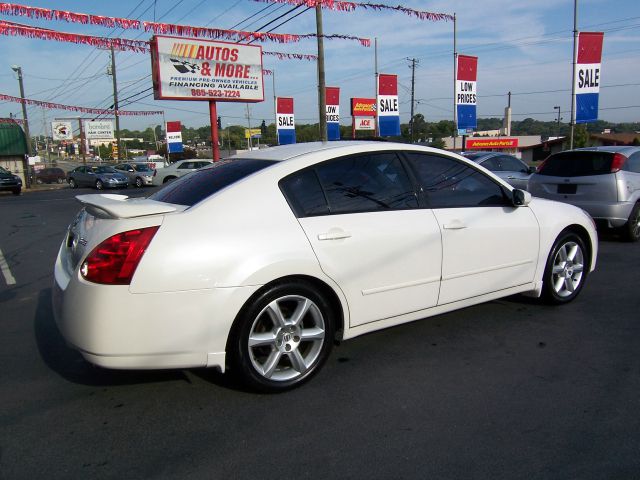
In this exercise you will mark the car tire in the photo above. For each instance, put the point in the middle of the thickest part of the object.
(72, 183)
(566, 270)
(16, 191)
(39, 181)
(631, 229)
(138, 182)
(61, 180)
(99, 185)
(169, 179)
(281, 337)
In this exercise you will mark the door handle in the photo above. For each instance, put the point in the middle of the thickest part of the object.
(334, 234)
(454, 225)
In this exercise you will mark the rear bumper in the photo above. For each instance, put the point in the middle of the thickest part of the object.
(113, 328)
(613, 214)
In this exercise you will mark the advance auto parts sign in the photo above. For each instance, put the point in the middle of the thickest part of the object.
(194, 69)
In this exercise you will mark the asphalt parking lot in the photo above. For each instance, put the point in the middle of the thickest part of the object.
(509, 389)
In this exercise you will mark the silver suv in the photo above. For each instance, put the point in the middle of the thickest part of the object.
(604, 181)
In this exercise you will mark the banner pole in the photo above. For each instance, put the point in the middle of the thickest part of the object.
(455, 58)
(573, 75)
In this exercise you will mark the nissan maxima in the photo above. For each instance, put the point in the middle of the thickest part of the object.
(259, 263)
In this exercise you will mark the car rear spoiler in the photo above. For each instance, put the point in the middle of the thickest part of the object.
(107, 205)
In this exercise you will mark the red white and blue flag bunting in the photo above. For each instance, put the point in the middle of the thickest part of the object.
(587, 76)
(388, 110)
(285, 122)
(333, 113)
(466, 92)
(174, 137)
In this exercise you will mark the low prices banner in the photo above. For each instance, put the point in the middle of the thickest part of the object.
(98, 129)
(388, 110)
(193, 69)
(285, 123)
(333, 113)
(174, 137)
(61, 130)
(587, 76)
(466, 92)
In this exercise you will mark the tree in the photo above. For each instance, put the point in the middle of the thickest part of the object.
(580, 136)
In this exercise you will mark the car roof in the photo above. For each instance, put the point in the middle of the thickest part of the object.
(629, 149)
(288, 152)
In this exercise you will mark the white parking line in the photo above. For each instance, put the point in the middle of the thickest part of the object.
(6, 271)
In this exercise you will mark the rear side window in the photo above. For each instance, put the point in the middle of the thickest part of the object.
(304, 194)
(203, 183)
(577, 164)
(366, 183)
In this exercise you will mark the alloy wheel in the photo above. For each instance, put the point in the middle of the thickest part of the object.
(286, 338)
(567, 269)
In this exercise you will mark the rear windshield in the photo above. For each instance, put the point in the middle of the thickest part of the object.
(203, 183)
(577, 164)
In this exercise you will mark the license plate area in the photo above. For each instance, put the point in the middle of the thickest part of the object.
(567, 188)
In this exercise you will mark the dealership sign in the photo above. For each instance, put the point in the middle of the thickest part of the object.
(333, 113)
(285, 121)
(487, 143)
(98, 129)
(61, 130)
(466, 92)
(194, 69)
(388, 109)
(587, 76)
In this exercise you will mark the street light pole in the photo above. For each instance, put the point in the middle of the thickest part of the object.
(25, 163)
(322, 92)
(115, 99)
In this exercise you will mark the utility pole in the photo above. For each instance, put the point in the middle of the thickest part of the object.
(557, 107)
(322, 92)
(25, 163)
(115, 99)
(249, 143)
(573, 74)
(413, 86)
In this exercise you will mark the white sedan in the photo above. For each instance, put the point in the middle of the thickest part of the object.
(177, 170)
(259, 263)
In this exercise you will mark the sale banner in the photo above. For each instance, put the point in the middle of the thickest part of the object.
(466, 92)
(194, 69)
(388, 109)
(587, 76)
(285, 122)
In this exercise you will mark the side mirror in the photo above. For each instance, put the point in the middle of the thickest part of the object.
(520, 198)
(533, 169)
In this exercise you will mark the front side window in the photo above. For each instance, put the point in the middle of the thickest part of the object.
(511, 164)
(449, 183)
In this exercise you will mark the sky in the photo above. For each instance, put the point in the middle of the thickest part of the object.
(523, 47)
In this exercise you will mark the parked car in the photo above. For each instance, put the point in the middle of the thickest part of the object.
(177, 170)
(99, 177)
(139, 174)
(259, 263)
(50, 175)
(604, 181)
(10, 182)
(511, 169)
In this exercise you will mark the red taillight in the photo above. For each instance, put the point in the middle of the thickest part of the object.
(618, 162)
(541, 166)
(115, 260)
